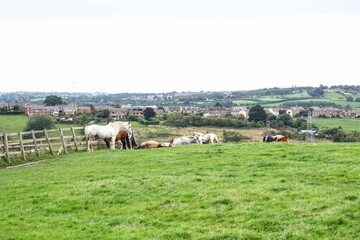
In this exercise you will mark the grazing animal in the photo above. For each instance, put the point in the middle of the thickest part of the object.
(120, 125)
(269, 138)
(98, 131)
(121, 136)
(151, 144)
(185, 140)
(206, 138)
(125, 135)
(213, 138)
(282, 139)
(276, 138)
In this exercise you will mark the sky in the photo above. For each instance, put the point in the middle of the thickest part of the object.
(116, 46)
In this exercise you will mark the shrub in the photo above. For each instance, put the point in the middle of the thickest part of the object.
(234, 137)
(39, 122)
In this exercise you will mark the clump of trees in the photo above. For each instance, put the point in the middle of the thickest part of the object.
(338, 135)
(53, 100)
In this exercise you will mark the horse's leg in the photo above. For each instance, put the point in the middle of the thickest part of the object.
(90, 146)
(87, 144)
(107, 142)
(123, 145)
(112, 145)
(128, 142)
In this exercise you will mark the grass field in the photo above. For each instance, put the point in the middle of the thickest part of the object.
(224, 191)
(12, 123)
(16, 123)
(348, 124)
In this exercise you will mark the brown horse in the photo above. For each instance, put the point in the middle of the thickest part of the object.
(282, 139)
(151, 144)
(123, 136)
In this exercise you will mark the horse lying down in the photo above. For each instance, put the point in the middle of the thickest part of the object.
(185, 140)
(152, 144)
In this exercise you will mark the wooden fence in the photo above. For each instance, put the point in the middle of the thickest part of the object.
(54, 141)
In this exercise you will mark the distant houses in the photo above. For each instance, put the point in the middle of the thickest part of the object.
(30, 109)
(116, 113)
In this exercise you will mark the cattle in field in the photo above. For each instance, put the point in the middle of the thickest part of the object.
(152, 144)
(98, 131)
(185, 140)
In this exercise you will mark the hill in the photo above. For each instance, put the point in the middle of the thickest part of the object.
(225, 191)
(340, 96)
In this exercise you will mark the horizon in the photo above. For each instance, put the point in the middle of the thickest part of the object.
(259, 89)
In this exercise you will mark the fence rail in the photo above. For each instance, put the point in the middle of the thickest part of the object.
(54, 141)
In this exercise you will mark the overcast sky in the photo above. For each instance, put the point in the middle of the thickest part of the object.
(159, 46)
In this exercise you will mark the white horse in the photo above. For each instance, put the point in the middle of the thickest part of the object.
(126, 126)
(207, 137)
(184, 141)
(97, 131)
(212, 137)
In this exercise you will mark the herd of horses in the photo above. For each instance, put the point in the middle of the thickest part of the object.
(121, 131)
(111, 134)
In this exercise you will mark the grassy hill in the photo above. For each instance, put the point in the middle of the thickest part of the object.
(224, 191)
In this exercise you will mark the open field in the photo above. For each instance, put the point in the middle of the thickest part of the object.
(224, 191)
(13, 123)
(348, 124)
(16, 123)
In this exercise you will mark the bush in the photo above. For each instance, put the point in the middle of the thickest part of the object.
(39, 122)
(234, 137)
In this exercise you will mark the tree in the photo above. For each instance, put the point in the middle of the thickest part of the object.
(53, 100)
(105, 113)
(16, 108)
(257, 113)
(149, 113)
(317, 92)
(218, 105)
(286, 119)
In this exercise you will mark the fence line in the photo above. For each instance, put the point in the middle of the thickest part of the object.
(37, 142)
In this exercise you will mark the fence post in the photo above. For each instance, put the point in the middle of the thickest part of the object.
(48, 140)
(74, 137)
(22, 146)
(62, 139)
(35, 143)
(6, 145)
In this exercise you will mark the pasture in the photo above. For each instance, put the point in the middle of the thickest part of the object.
(347, 124)
(223, 191)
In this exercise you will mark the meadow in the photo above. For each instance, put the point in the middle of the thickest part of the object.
(221, 191)
(249, 190)
(347, 124)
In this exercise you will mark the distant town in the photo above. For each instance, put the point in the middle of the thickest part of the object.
(335, 101)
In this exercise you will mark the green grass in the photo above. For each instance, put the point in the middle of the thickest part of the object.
(334, 96)
(16, 123)
(297, 95)
(12, 123)
(348, 124)
(244, 101)
(225, 191)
